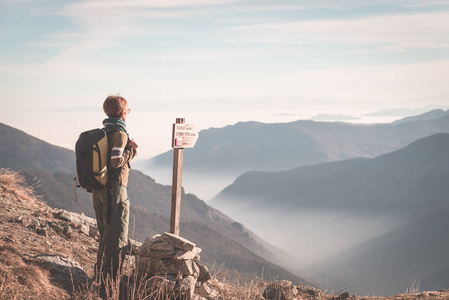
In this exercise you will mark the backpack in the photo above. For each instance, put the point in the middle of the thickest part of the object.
(91, 151)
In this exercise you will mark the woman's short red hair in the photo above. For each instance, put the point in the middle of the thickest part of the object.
(114, 106)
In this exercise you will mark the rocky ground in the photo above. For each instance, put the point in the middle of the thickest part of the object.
(49, 253)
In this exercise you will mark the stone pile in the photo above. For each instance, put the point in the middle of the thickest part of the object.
(286, 290)
(172, 262)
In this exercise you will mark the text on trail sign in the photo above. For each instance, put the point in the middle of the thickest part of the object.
(184, 136)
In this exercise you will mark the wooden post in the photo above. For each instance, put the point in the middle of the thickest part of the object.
(175, 216)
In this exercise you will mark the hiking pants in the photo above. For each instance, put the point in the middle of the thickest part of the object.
(113, 234)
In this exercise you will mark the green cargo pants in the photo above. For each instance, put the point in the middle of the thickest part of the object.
(113, 234)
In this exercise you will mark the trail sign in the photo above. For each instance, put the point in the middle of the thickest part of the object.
(184, 136)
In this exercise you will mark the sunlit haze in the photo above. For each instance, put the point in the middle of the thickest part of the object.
(217, 62)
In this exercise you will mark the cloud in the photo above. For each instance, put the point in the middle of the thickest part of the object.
(393, 83)
(412, 31)
(118, 4)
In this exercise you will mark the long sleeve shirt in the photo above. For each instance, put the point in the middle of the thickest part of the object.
(121, 154)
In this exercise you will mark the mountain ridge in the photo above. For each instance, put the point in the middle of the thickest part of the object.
(150, 206)
(340, 174)
(222, 154)
(358, 206)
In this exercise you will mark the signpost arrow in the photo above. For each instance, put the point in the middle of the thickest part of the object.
(184, 136)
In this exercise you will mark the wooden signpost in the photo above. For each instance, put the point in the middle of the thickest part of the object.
(184, 136)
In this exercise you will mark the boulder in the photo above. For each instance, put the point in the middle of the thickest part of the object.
(155, 266)
(204, 274)
(144, 250)
(84, 228)
(187, 288)
(274, 292)
(177, 241)
(160, 283)
(204, 290)
(183, 254)
(159, 245)
(133, 247)
(64, 271)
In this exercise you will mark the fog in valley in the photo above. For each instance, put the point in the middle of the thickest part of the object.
(337, 217)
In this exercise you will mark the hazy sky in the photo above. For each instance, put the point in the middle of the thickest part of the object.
(65, 57)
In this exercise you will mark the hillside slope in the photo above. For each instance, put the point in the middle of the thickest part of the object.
(355, 211)
(150, 210)
(222, 154)
(46, 253)
(21, 151)
(431, 115)
(258, 146)
(398, 181)
(417, 251)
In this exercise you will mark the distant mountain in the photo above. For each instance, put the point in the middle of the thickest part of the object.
(150, 206)
(417, 251)
(328, 117)
(398, 181)
(402, 112)
(431, 115)
(248, 146)
(356, 207)
(20, 151)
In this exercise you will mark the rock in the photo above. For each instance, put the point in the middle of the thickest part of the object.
(204, 274)
(64, 271)
(161, 246)
(187, 268)
(56, 227)
(74, 217)
(161, 284)
(173, 254)
(311, 291)
(93, 231)
(285, 289)
(274, 292)
(74, 225)
(67, 231)
(84, 229)
(153, 266)
(294, 291)
(207, 292)
(219, 285)
(177, 241)
(9, 239)
(41, 231)
(196, 269)
(183, 254)
(202, 288)
(162, 254)
(187, 288)
(285, 284)
(133, 247)
(343, 296)
(57, 259)
(144, 250)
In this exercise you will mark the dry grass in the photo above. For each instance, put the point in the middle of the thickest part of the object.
(414, 287)
(128, 285)
(236, 287)
(23, 278)
(15, 184)
(19, 280)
